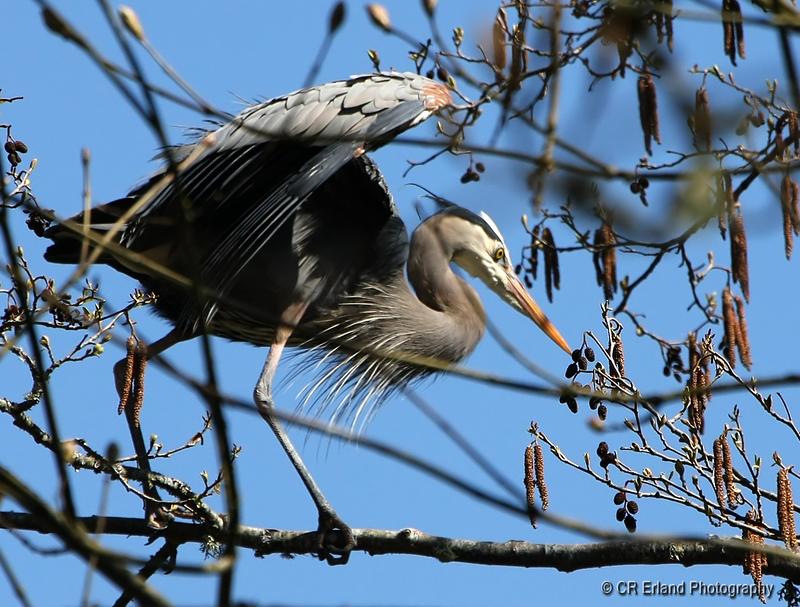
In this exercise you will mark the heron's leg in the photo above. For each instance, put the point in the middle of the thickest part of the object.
(329, 521)
(132, 417)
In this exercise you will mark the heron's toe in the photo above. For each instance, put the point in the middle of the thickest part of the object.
(335, 539)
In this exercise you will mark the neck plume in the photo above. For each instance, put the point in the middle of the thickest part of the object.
(368, 349)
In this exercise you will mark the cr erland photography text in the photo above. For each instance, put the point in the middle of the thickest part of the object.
(695, 588)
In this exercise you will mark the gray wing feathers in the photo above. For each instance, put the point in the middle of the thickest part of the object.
(360, 94)
(300, 112)
(343, 125)
(319, 118)
(255, 230)
(359, 110)
(329, 91)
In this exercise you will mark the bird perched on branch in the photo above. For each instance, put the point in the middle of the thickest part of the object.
(276, 229)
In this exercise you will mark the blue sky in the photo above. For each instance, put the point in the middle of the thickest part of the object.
(252, 50)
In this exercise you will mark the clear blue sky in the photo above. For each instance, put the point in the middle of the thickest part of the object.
(246, 50)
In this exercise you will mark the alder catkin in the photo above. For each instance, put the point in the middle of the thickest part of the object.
(738, 28)
(755, 562)
(604, 259)
(499, 40)
(729, 322)
(786, 522)
(787, 195)
(519, 58)
(697, 386)
(780, 146)
(794, 131)
(138, 399)
(727, 36)
(617, 354)
(739, 269)
(648, 111)
(693, 351)
(659, 23)
(702, 120)
(530, 484)
(668, 22)
(130, 359)
(719, 473)
(727, 465)
(538, 464)
(552, 273)
(733, 30)
(742, 336)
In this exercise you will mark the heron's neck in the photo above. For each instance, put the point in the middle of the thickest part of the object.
(435, 283)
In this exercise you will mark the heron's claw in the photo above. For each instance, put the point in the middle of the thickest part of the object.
(334, 539)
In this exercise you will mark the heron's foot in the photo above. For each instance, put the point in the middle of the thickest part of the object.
(334, 538)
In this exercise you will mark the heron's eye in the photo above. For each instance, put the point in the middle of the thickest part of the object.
(499, 254)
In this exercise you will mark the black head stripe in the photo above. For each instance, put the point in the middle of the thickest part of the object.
(472, 218)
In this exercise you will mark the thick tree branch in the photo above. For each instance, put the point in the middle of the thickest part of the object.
(563, 557)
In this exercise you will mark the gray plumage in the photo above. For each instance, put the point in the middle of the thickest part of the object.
(288, 217)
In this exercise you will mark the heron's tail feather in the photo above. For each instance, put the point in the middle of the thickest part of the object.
(68, 237)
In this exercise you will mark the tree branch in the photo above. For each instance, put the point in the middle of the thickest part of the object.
(563, 557)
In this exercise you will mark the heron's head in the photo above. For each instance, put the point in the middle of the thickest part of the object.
(479, 248)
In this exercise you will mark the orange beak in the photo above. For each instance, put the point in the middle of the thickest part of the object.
(532, 310)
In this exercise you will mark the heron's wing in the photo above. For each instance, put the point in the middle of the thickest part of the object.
(321, 129)
(341, 118)
(266, 216)
(334, 111)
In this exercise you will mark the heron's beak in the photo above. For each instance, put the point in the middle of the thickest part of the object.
(531, 309)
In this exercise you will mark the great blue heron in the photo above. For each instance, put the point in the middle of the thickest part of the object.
(287, 224)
